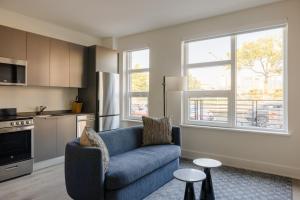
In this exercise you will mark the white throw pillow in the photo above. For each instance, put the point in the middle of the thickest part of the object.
(89, 137)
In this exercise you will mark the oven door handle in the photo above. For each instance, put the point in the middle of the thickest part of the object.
(11, 168)
(15, 129)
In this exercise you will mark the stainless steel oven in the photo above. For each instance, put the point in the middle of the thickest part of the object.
(16, 150)
(13, 72)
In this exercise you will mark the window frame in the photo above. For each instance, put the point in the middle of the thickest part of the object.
(128, 94)
(231, 94)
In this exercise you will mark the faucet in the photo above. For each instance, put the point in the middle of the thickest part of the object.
(41, 110)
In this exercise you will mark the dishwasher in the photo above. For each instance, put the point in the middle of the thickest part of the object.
(83, 121)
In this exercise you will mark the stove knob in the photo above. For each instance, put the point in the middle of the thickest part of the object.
(27, 122)
(22, 123)
(17, 123)
(12, 123)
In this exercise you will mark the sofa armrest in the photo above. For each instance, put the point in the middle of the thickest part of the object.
(84, 173)
(176, 135)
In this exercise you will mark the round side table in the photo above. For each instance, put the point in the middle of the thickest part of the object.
(207, 190)
(190, 176)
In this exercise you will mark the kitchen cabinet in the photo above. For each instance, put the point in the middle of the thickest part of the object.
(13, 43)
(38, 64)
(51, 134)
(66, 132)
(44, 138)
(59, 63)
(78, 75)
(106, 60)
(50, 62)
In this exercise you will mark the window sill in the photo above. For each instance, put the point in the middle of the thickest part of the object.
(239, 130)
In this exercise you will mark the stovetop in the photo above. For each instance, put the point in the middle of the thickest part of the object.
(10, 114)
(9, 119)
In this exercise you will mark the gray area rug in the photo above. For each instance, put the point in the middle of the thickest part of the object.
(231, 184)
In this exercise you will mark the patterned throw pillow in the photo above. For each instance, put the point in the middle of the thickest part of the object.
(90, 138)
(157, 131)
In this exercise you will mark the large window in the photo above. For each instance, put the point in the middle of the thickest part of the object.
(137, 83)
(237, 80)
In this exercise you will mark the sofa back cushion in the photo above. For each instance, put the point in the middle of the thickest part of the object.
(122, 140)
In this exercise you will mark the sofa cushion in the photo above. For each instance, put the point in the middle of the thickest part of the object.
(130, 166)
(122, 140)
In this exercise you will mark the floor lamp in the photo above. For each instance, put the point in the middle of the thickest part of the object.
(172, 84)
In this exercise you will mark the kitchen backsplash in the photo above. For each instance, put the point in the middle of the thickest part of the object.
(26, 99)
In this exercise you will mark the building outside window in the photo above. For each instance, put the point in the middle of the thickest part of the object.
(137, 88)
(237, 81)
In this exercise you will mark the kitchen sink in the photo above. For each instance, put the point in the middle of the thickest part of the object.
(43, 116)
(58, 114)
(50, 115)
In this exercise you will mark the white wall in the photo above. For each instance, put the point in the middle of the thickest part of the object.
(270, 153)
(27, 98)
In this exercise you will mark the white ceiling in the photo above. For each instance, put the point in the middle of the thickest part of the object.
(104, 18)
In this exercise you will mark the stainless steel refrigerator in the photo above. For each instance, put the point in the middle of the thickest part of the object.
(108, 101)
(100, 96)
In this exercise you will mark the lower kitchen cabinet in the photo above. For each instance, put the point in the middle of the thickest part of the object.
(44, 138)
(51, 134)
(66, 131)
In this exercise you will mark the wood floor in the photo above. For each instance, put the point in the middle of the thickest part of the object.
(45, 184)
(49, 184)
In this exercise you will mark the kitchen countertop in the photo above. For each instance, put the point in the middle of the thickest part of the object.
(52, 113)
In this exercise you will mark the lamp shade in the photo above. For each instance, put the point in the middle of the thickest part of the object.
(176, 83)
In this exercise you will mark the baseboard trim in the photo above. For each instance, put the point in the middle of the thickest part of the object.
(260, 166)
(48, 163)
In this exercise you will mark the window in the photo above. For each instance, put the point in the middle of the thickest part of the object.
(237, 81)
(137, 84)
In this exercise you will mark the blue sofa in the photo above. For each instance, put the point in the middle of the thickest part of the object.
(134, 171)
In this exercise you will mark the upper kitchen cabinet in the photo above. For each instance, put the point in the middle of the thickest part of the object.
(13, 43)
(50, 62)
(78, 73)
(59, 63)
(106, 60)
(38, 56)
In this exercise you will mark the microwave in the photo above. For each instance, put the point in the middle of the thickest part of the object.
(13, 72)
